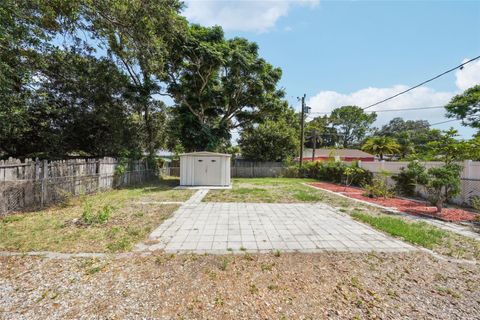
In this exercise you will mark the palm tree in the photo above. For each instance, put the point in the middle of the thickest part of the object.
(381, 145)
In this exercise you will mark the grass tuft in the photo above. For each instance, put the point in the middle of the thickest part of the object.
(307, 196)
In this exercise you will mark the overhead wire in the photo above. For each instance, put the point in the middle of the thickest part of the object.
(389, 110)
(460, 66)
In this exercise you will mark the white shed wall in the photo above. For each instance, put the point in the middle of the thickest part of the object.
(217, 172)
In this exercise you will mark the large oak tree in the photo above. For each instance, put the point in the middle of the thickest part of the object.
(219, 85)
(352, 124)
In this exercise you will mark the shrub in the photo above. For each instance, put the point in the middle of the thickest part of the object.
(475, 203)
(333, 171)
(330, 171)
(291, 172)
(409, 178)
(378, 188)
(442, 184)
(351, 174)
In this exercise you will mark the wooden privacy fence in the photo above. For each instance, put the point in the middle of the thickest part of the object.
(34, 183)
(470, 176)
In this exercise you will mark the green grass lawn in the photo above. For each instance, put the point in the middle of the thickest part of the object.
(422, 234)
(60, 228)
(419, 233)
(269, 190)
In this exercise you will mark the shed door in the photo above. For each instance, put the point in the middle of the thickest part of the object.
(207, 171)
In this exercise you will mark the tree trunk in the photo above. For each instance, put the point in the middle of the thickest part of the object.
(439, 205)
(145, 100)
(149, 131)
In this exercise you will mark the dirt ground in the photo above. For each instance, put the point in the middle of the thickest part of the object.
(263, 286)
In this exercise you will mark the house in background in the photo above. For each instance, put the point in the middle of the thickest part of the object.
(337, 154)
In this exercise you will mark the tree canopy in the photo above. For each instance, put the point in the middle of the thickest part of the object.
(276, 138)
(219, 85)
(89, 77)
(352, 124)
(449, 149)
(411, 135)
(466, 106)
(326, 136)
(92, 78)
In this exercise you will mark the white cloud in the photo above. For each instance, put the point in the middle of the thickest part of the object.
(241, 15)
(468, 76)
(326, 101)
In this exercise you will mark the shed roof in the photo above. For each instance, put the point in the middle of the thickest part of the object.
(206, 154)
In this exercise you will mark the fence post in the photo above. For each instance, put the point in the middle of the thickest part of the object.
(467, 165)
(99, 178)
(467, 174)
(3, 203)
(44, 196)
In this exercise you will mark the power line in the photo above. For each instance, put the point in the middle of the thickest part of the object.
(432, 124)
(442, 122)
(392, 110)
(302, 125)
(421, 84)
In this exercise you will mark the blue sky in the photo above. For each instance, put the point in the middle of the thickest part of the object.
(359, 52)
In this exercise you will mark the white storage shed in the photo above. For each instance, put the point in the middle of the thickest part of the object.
(205, 169)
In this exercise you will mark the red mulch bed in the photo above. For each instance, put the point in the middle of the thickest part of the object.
(404, 205)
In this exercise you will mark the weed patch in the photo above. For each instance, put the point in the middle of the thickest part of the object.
(90, 216)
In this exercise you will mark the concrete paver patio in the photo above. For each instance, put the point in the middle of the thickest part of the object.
(223, 227)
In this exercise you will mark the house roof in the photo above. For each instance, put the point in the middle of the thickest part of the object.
(355, 153)
(206, 154)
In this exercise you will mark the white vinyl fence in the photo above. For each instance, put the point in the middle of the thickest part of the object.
(470, 177)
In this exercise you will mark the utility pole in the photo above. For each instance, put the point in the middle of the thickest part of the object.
(302, 125)
(314, 137)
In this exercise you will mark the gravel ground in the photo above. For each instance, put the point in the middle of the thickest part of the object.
(284, 286)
